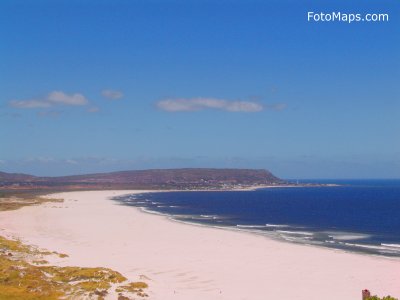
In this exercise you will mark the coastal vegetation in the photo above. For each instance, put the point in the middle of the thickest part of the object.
(25, 274)
(134, 287)
(16, 201)
(384, 298)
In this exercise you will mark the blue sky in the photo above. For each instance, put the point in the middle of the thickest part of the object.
(91, 86)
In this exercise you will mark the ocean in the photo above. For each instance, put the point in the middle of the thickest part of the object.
(358, 215)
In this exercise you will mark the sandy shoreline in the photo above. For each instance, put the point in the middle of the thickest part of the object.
(194, 262)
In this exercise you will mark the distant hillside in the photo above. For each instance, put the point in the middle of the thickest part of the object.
(15, 177)
(162, 178)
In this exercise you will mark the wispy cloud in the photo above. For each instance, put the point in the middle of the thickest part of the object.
(276, 106)
(93, 109)
(41, 159)
(51, 113)
(12, 115)
(196, 104)
(112, 94)
(29, 103)
(52, 99)
(71, 161)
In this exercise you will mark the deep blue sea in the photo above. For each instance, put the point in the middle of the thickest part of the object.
(358, 215)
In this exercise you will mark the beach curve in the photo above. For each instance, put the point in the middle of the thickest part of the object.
(193, 262)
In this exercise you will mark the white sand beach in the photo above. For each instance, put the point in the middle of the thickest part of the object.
(194, 262)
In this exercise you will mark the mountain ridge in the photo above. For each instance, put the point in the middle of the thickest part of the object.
(183, 178)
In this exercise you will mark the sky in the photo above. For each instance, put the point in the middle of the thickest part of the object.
(96, 86)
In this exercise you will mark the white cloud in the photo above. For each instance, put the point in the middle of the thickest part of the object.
(112, 94)
(52, 99)
(244, 106)
(58, 97)
(195, 104)
(173, 105)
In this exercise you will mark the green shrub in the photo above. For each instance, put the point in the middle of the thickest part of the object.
(375, 297)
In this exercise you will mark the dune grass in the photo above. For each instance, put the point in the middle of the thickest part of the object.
(135, 288)
(25, 274)
(13, 202)
(20, 279)
(383, 298)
